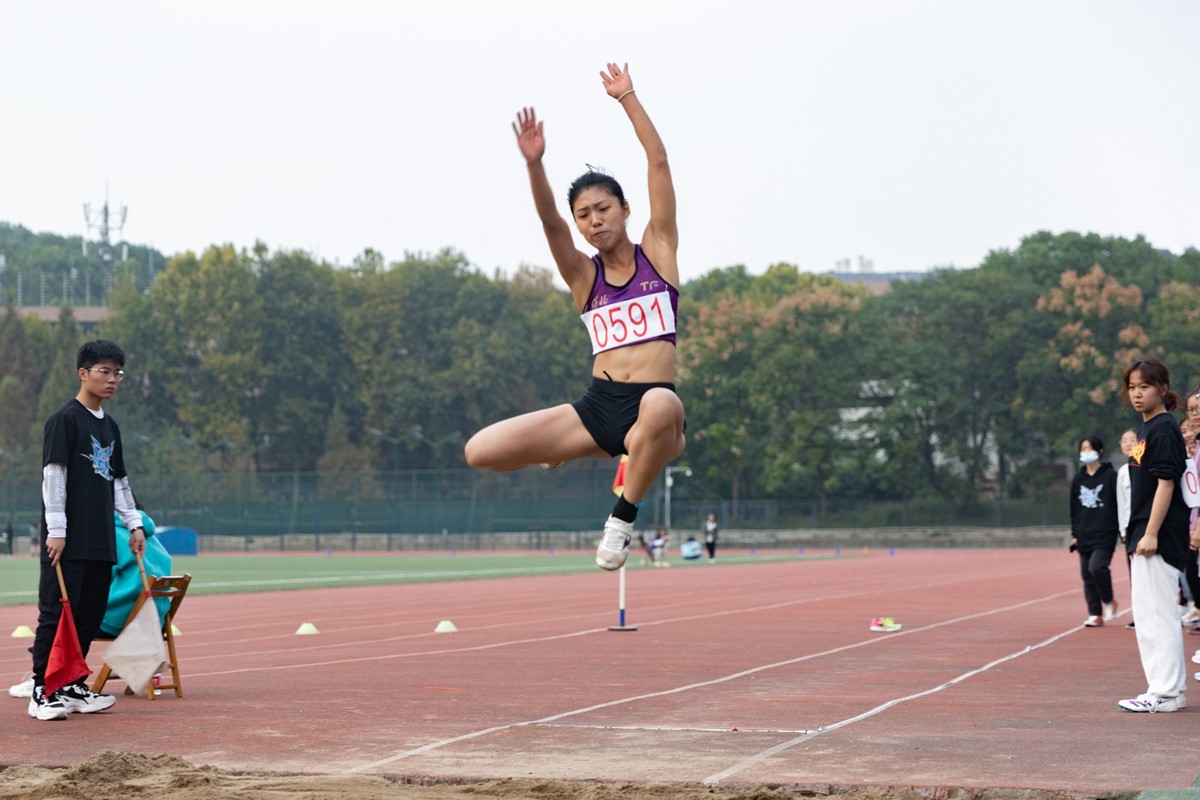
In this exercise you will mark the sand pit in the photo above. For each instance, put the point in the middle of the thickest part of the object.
(110, 775)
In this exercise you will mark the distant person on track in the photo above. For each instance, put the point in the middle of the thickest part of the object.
(1158, 536)
(1191, 572)
(1093, 503)
(1128, 440)
(711, 531)
(628, 297)
(660, 544)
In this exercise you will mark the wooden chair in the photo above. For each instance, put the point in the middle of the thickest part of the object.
(173, 587)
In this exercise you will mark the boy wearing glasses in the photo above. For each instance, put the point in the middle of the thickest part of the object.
(83, 483)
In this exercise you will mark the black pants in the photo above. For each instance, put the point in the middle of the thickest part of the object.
(712, 548)
(1097, 580)
(1193, 579)
(87, 583)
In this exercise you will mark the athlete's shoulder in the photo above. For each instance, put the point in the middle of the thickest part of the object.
(645, 256)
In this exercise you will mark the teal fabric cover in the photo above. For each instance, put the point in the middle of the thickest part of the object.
(127, 580)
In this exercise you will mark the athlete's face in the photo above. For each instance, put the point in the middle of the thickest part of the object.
(600, 217)
(1145, 397)
(1128, 440)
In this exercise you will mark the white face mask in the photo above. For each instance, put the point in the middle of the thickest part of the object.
(1089, 457)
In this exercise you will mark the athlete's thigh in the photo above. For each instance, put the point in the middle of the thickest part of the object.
(660, 411)
(551, 435)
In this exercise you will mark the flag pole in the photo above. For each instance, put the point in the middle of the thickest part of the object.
(62, 584)
(142, 569)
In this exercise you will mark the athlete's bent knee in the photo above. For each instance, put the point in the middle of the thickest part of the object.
(476, 453)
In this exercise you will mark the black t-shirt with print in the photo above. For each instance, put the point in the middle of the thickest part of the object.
(1159, 453)
(91, 450)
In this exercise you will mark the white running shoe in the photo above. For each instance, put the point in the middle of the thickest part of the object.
(1153, 703)
(78, 699)
(614, 547)
(22, 689)
(1191, 616)
(1093, 622)
(46, 708)
(1196, 657)
(1110, 610)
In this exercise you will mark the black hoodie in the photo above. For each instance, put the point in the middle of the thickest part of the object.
(1094, 508)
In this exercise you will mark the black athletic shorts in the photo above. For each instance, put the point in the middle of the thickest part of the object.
(609, 409)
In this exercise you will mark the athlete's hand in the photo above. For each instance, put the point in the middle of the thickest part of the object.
(1147, 545)
(529, 135)
(55, 547)
(137, 542)
(616, 80)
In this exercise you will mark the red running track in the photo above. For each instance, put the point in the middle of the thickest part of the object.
(738, 675)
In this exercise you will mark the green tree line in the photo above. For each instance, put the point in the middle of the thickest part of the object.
(969, 383)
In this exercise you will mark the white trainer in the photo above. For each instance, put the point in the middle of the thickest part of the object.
(46, 708)
(78, 699)
(614, 547)
(22, 689)
(1110, 610)
(1152, 703)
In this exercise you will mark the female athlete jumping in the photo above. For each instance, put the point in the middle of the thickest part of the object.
(629, 297)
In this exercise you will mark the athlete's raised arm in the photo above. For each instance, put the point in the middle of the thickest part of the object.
(572, 264)
(661, 240)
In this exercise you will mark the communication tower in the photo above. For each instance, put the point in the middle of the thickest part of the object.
(102, 222)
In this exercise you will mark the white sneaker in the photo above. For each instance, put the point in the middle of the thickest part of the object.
(1196, 657)
(46, 708)
(78, 699)
(1110, 610)
(1191, 616)
(614, 547)
(1093, 622)
(22, 689)
(1152, 703)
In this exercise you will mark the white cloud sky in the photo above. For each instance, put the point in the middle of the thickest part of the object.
(917, 134)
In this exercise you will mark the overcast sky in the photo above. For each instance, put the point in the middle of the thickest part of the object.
(916, 134)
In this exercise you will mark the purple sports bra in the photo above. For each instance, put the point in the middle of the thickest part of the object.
(643, 310)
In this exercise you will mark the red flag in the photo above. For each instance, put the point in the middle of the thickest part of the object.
(619, 480)
(66, 664)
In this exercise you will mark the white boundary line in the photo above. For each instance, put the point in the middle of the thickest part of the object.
(744, 673)
(356, 645)
(779, 748)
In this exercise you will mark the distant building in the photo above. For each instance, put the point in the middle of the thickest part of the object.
(877, 283)
(87, 317)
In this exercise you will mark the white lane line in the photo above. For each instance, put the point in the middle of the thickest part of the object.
(779, 748)
(723, 679)
(357, 644)
(670, 728)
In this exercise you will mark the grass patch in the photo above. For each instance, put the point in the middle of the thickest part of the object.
(233, 574)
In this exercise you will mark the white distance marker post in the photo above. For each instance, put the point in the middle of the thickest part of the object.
(621, 626)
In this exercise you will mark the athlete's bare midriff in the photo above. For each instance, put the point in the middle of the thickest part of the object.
(650, 362)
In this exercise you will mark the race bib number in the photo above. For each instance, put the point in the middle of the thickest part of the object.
(1190, 484)
(629, 322)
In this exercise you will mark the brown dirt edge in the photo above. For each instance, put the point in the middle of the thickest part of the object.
(113, 775)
